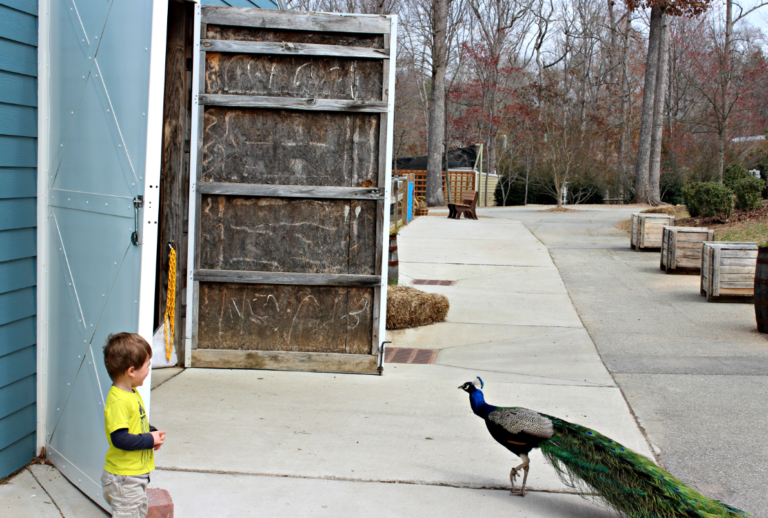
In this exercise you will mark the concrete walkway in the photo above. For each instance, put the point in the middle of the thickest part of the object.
(265, 443)
(695, 373)
(406, 442)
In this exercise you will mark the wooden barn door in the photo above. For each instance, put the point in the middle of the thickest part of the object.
(287, 211)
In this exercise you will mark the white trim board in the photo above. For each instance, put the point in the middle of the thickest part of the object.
(151, 209)
(43, 119)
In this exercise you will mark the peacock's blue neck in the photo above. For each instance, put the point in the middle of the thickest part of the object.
(478, 404)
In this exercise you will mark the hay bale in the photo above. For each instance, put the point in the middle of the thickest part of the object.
(559, 209)
(409, 307)
(662, 209)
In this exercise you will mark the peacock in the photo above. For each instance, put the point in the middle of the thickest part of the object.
(584, 459)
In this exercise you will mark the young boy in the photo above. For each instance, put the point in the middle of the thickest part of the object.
(132, 440)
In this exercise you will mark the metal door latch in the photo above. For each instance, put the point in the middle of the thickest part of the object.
(138, 202)
(382, 352)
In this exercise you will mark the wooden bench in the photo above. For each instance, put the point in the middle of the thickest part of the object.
(466, 207)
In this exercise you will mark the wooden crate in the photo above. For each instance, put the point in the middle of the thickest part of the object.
(647, 229)
(728, 269)
(681, 248)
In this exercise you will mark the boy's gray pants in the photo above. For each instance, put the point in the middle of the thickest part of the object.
(126, 495)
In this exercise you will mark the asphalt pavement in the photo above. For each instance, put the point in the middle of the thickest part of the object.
(693, 372)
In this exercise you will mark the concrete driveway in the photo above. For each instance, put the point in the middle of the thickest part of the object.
(693, 372)
(248, 443)
(287, 444)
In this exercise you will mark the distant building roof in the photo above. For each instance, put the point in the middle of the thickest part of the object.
(460, 157)
(749, 139)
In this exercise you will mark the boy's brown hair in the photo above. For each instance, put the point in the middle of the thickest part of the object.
(125, 350)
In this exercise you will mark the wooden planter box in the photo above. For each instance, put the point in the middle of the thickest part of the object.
(647, 229)
(681, 248)
(728, 269)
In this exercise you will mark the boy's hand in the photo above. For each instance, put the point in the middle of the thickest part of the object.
(159, 437)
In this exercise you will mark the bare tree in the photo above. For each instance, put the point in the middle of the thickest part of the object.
(437, 103)
(502, 27)
(659, 101)
(643, 192)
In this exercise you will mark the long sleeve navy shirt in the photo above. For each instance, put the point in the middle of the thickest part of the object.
(123, 440)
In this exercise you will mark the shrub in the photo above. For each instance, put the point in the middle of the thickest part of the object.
(733, 173)
(708, 199)
(585, 192)
(748, 193)
(516, 193)
(671, 189)
(690, 200)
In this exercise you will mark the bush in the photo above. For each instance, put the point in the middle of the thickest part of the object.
(708, 199)
(516, 193)
(585, 192)
(748, 193)
(671, 189)
(733, 173)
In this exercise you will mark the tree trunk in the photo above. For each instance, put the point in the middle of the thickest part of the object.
(721, 154)
(625, 105)
(726, 82)
(654, 176)
(642, 186)
(437, 104)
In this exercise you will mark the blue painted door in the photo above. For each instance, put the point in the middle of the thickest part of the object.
(99, 82)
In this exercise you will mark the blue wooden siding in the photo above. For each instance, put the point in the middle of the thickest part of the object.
(18, 221)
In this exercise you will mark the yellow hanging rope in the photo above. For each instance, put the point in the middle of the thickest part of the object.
(170, 304)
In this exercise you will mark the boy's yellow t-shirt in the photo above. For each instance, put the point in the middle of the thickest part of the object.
(126, 410)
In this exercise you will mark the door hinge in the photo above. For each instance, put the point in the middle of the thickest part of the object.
(138, 202)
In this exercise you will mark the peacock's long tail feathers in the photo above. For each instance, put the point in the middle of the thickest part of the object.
(629, 482)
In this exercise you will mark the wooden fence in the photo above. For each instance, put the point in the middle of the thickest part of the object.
(460, 181)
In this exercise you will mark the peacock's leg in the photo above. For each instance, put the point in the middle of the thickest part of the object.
(513, 474)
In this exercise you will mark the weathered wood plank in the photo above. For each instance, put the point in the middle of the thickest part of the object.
(747, 292)
(289, 279)
(293, 49)
(285, 361)
(293, 77)
(295, 20)
(715, 265)
(174, 168)
(291, 148)
(229, 32)
(284, 318)
(292, 191)
(742, 285)
(297, 103)
(745, 278)
(739, 261)
(694, 237)
(693, 253)
(690, 244)
(738, 269)
(287, 235)
(726, 253)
